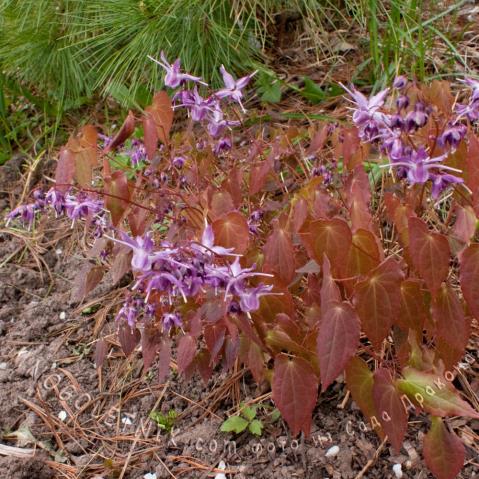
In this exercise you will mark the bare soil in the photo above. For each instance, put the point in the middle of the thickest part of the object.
(77, 421)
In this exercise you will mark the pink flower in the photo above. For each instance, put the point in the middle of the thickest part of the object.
(174, 78)
(233, 87)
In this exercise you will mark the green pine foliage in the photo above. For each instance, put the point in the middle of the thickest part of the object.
(69, 49)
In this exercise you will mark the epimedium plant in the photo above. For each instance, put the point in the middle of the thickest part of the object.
(301, 253)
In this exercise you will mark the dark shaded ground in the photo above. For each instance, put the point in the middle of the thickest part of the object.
(86, 423)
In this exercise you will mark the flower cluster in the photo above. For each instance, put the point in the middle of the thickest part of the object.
(75, 207)
(392, 131)
(167, 275)
(207, 110)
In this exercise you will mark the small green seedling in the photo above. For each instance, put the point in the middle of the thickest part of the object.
(164, 421)
(246, 420)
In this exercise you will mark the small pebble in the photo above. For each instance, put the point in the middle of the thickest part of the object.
(62, 415)
(150, 475)
(63, 315)
(126, 421)
(332, 451)
(58, 251)
(221, 467)
(397, 469)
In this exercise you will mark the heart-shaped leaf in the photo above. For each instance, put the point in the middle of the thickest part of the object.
(378, 300)
(430, 253)
(338, 340)
(392, 414)
(444, 452)
(295, 392)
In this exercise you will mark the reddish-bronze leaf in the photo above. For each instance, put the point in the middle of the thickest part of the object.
(259, 174)
(469, 275)
(214, 338)
(123, 134)
(231, 231)
(65, 170)
(414, 310)
(87, 278)
(164, 360)
(438, 92)
(318, 140)
(252, 355)
(392, 414)
(203, 365)
(360, 381)
(279, 254)
(329, 289)
(429, 252)
(163, 115)
(117, 196)
(444, 452)
(338, 340)
(364, 253)
(466, 223)
(128, 337)
(121, 265)
(331, 237)
(221, 204)
(186, 352)
(138, 219)
(151, 338)
(449, 317)
(101, 350)
(295, 392)
(150, 133)
(378, 300)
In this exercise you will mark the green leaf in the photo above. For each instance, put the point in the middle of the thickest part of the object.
(316, 94)
(275, 415)
(271, 93)
(249, 413)
(234, 424)
(434, 394)
(255, 427)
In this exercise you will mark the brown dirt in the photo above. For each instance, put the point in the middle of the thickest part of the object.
(47, 367)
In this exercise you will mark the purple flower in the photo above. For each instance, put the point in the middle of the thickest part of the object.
(170, 320)
(441, 182)
(162, 281)
(419, 165)
(25, 212)
(400, 82)
(174, 78)
(138, 153)
(217, 123)
(452, 135)
(402, 102)
(234, 275)
(178, 162)
(224, 144)
(143, 255)
(208, 241)
(470, 111)
(249, 298)
(197, 105)
(81, 207)
(416, 119)
(129, 312)
(56, 200)
(474, 85)
(233, 87)
(366, 108)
